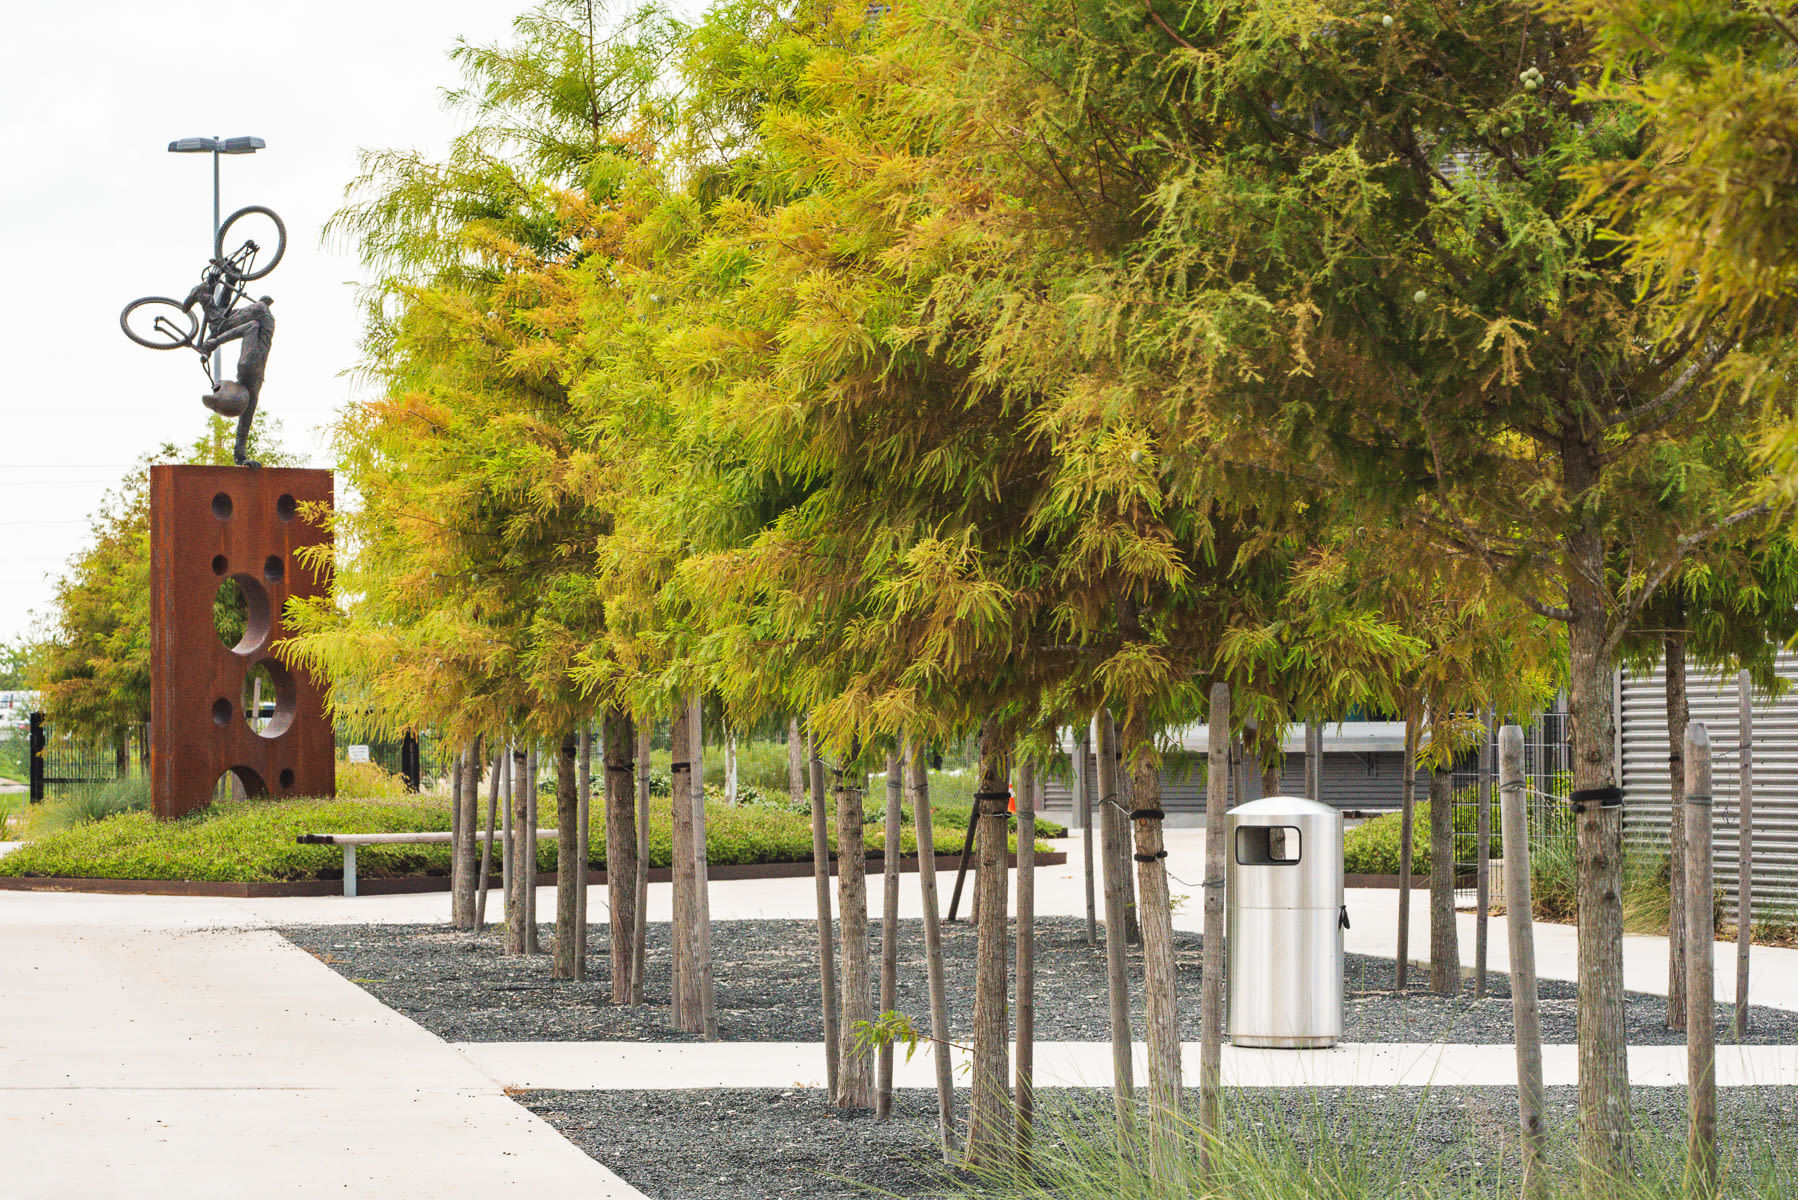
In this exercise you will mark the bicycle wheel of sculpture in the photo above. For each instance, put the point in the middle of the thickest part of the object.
(252, 240)
(159, 323)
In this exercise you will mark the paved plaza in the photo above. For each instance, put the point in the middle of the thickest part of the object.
(164, 1046)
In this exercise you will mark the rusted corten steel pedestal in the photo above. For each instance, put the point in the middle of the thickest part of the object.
(209, 525)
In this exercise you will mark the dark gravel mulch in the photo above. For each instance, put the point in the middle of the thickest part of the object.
(761, 1144)
(462, 988)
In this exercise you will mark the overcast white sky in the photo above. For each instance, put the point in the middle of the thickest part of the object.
(95, 212)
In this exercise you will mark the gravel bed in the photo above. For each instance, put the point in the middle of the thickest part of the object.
(462, 988)
(762, 1144)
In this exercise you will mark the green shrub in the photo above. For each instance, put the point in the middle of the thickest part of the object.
(254, 841)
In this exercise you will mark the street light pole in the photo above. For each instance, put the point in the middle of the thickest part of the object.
(216, 146)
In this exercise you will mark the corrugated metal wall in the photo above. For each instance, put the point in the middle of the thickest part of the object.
(1642, 728)
(1350, 780)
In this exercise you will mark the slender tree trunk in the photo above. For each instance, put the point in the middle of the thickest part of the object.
(1526, 1016)
(455, 807)
(1603, 1073)
(702, 897)
(990, 1135)
(508, 862)
(1157, 915)
(618, 742)
(1083, 809)
(680, 935)
(1314, 760)
(1211, 973)
(1120, 849)
(480, 908)
(583, 855)
(889, 932)
(1701, 985)
(1117, 978)
(1744, 852)
(1029, 795)
(855, 1075)
(933, 945)
(1407, 831)
(1482, 886)
(531, 825)
(569, 869)
(468, 797)
(517, 914)
(827, 952)
(1445, 942)
(1678, 715)
(640, 948)
(795, 762)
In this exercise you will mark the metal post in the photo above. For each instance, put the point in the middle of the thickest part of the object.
(218, 355)
(38, 741)
(349, 870)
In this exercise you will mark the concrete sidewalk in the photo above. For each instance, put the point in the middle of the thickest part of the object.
(184, 1055)
(624, 1066)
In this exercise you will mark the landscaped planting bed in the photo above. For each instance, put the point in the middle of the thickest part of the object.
(461, 987)
(1397, 1143)
(253, 841)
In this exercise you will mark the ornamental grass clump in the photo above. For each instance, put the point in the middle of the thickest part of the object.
(1364, 1144)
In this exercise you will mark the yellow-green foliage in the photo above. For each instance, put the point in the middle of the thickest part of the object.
(253, 841)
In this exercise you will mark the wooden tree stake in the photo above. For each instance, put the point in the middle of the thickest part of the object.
(855, 1073)
(1526, 1016)
(1211, 971)
(480, 908)
(1744, 852)
(889, 930)
(1701, 983)
(1083, 801)
(1406, 835)
(933, 946)
(1117, 979)
(1029, 791)
(827, 954)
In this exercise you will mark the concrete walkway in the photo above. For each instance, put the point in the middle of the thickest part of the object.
(167, 1050)
(623, 1066)
(169, 1046)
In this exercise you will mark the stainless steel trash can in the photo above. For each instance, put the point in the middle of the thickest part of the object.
(1284, 920)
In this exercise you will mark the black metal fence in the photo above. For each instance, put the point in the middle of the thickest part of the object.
(1547, 772)
(57, 765)
(66, 765)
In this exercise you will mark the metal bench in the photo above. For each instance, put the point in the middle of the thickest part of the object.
(349, 842)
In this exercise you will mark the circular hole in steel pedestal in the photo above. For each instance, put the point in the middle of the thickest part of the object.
(286, 777)
(268, 698)
(237, 783)
(241, 613)
(274, 570)
(221, 711)
(286, 507)
(221, 506)
(219, 564)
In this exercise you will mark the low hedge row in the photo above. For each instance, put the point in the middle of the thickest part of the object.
(252, 841)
